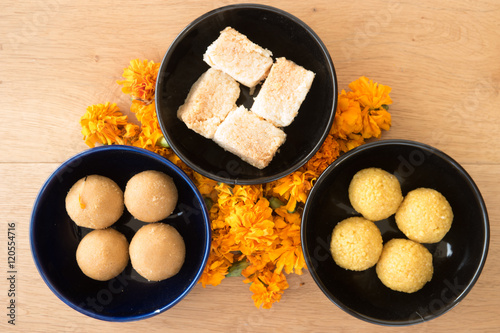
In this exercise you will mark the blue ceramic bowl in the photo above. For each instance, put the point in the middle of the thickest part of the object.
(458, 259)
(54, 238)
(283, 34)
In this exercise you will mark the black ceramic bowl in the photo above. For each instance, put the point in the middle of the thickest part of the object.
(458, 259)
(55, 237)
(271, 28)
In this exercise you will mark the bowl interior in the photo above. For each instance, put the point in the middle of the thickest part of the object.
(285, 36)
(55, 238)
(458, 258)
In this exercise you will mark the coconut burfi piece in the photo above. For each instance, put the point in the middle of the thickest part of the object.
(283, 92)
(249, 137)
(209, 101)
(234, 54)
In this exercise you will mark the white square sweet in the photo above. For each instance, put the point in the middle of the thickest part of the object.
(283, 92)
(234, 54)
(250, 137)
(209, 101)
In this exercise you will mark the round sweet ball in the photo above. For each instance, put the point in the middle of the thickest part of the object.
(425, 216)
(102, 254)
(95, 202)
(356, 244)
(375, 193)
(150, 196)
(404, 265)
(157, 251)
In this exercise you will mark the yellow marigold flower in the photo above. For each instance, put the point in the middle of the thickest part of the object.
(131, 131)
(287, 253)
(292, 218)
(374, 121)
(295, 187)
(352, 141)
(252, 226)
(215, 270)
(329, 151)
(223, 241)
(348, 118)
(150, 128)
(172, 157)
(103, 123)
(205, 185)
(267, 288)
(144, 112)
(231, 196)
(140, 79)
(258, 262)
(370, 94)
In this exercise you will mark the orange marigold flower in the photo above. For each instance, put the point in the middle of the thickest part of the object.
(374, 121)
(252, 226)
(103, 123)
(205, 185)
(370, 94)
(329, 151)
(140, 79)
(267, 288)
(294, 188)
(230, 197)
(353, 140)
(215, 270)
(348, 118)
(258, 262)
(287, 254)
(150, 128)
(131, 131)
(144, 112)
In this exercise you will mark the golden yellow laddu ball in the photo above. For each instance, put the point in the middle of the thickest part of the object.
(356, 244)
(425, 216)
(375, 193)
(404, 265)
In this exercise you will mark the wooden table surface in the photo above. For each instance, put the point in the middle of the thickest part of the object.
(442, 61)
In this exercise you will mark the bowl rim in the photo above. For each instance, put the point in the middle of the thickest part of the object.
(149, 154)
(331, 74)
(452, 162)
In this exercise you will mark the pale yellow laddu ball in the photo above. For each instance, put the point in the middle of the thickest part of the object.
(157, 251)
(150, 196)
(102, 254)
(356, 244)
(94, 202)
(404, 265)
(375, 193)
(425, 216)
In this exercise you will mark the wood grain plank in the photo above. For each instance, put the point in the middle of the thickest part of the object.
(59, 56)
